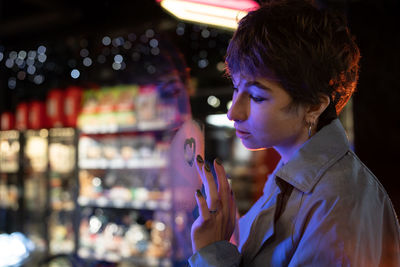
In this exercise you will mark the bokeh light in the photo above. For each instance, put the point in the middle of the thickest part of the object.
(106, 40)
(75, 73)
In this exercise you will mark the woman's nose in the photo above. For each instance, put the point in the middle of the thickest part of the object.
(239, 110)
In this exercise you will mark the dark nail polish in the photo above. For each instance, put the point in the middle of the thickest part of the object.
(198, 193)
(207, 167)
(218, 161)
(199, 159)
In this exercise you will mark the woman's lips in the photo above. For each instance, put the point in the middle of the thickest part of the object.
(242, 134)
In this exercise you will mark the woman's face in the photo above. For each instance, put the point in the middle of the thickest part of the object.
(171, 88)
(263, 119)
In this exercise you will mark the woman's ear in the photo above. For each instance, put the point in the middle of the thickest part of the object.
(314, 111)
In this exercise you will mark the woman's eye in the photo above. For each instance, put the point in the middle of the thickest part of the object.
(257, 99)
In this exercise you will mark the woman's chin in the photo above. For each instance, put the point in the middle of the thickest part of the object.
(252, 146)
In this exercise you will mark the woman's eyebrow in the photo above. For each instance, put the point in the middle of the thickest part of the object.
(259, 85)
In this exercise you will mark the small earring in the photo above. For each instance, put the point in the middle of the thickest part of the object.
(310, 129)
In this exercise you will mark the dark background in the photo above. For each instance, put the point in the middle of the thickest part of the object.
(376, 108)
(62, 24)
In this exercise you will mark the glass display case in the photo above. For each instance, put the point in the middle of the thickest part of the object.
(10, 184)
(62, 190)
(35, 184)
(118, 189)
(126, 194)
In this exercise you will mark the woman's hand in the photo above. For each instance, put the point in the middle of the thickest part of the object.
(217, 217)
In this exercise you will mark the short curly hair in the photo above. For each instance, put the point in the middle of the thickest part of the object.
(310, 51)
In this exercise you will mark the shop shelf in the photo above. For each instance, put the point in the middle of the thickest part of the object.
(114, 257)
(121, 204)
(153, 163)
(111, 129)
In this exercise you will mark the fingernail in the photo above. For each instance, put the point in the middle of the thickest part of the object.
(218, 161)
(199, 159)
(207, 167)
(198, 193)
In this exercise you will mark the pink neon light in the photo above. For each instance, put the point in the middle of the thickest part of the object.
(230, 4)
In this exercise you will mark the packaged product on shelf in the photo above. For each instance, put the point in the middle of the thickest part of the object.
(120, 193)
(7, 121)
(62, 157)
(9, 151)
(146, 103)
(89, 226)
(21, 116)
(137, 238)
(72, 105)
(89, 148)
(112, 178)
(106, 100)
(61, 192)
(160, 236)
(3, 192)
(55, 193)
(86, 188)
(125, 109)
(37, 118)
(129, 145)
(87, 117)
(106, 104)
(114, 234)
(61, 234)
(9, 192)
(126, 95)
(147, 145)
(151, 179)
(36, 150)
(113, 238)
(141, 194)
(55, 107)
(35, 192)
(182, 239)
(110, 148)
(12, 197)
(90, 101)
(85, 238)
(161, 150)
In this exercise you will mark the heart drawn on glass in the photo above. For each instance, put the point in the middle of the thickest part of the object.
(189, 149)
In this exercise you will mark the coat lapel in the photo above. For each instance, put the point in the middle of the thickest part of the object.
(260, 231)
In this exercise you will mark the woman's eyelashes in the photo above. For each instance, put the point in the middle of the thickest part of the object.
(257, 99)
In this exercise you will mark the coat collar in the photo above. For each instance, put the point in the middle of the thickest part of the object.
(310, 162)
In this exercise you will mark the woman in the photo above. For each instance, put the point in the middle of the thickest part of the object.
(293, 68)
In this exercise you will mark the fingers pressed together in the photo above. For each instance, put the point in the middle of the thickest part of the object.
(217, 218)
(219, 198)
